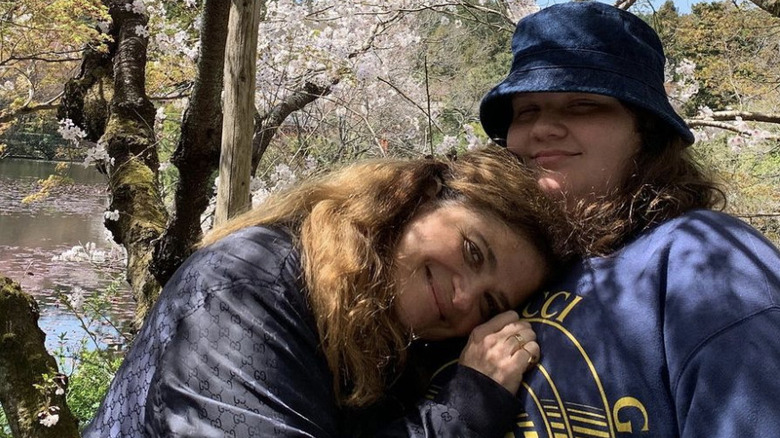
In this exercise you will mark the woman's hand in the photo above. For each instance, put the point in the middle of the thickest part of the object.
(502, 349)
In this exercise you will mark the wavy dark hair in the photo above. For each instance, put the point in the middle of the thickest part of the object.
(348, 223)
(662, 182)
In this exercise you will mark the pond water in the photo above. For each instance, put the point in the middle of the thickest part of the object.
(34, 236)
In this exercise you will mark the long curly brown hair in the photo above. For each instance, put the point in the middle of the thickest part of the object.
(663, 182)
(348, 223)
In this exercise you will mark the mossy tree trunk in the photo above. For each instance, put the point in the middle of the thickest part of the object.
(108, 99)
(32, 392)
(130, 142)
(87, 96)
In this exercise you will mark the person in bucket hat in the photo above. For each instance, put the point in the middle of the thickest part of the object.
(669, 326)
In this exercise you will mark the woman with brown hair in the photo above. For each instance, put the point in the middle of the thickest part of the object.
(305, 307)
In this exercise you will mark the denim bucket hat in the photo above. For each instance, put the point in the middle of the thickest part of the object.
(585, 47)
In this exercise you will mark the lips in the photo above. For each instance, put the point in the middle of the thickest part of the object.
(549, 159)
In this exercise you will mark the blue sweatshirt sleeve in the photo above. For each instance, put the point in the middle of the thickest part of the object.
(722, 328)
(729, 386)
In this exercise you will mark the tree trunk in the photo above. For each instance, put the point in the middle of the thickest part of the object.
(130, 142)
(32, 392)
(197, 153)
(237, 126)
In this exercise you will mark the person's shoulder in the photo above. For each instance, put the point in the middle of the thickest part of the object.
(701, 237)
(257, 254)
(707, 228)
(255, 238)
(712, 241)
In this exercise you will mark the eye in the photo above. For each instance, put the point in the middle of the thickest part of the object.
(583, 106)
(525, 113)
(490, 306)
(472, 254)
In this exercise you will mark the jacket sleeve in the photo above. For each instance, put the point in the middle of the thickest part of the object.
(463, 403)
(245, 363)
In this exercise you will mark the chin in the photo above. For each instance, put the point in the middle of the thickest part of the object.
(551, 186)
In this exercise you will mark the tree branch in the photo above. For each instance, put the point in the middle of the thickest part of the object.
(267, 125)
(693, 123)
(746, 116)
(7, 116)
(197, 152)
(410, 100)
(771, 6)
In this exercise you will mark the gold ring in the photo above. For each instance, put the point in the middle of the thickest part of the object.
(532, 359)
(519, 339)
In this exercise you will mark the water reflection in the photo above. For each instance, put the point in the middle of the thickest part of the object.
(33, 234)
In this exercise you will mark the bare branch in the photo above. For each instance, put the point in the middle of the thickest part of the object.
(719, 120)
(27, 109)
(40, 58)
(169, 97)
(714, 124)
(757, 215)
(410, 100)
(624, 4)
(746, 116)
(727, 127)
(438, 6)
(375, 32)
(268, 124)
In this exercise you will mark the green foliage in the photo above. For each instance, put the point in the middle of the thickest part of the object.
(35, 136)
(92, 365)
(89, 383)
(734, 47)
(750, 177)
(464, 59)
(5, 430)
(168, 130)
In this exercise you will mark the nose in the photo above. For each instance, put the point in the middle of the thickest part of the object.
(465, 300)
(467, 297)
(548, 125)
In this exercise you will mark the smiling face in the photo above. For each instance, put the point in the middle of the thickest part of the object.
(581, 143)
(456, 268)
